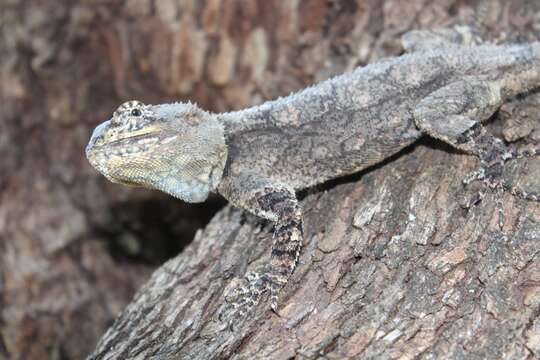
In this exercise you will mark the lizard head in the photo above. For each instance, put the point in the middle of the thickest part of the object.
(176, 148)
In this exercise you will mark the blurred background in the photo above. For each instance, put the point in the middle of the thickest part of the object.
(74, 248)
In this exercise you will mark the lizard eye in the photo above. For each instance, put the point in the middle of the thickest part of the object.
(136, 112)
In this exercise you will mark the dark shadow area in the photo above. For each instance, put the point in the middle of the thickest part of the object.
(156, 229)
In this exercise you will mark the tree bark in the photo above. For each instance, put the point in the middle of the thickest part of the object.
(392, 266)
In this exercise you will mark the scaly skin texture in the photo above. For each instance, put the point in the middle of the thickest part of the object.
(257, 158)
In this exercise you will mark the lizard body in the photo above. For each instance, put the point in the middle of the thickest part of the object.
(258, 157)
(360, 118)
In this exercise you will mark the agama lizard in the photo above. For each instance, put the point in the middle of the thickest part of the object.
(258, 157)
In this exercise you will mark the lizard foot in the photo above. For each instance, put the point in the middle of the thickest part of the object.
(490, 173)
(241, 299)
(244, 297)
(493, 155)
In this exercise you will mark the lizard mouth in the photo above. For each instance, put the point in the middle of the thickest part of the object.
(122, 143)
(132, 145)
(134, 139)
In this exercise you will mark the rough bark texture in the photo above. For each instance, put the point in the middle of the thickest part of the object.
(392, 266)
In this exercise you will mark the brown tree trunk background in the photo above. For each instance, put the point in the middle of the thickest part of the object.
(392, 267)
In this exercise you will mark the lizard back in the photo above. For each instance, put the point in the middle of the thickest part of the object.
(352, 121)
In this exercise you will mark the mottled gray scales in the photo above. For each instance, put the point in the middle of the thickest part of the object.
(258, 157)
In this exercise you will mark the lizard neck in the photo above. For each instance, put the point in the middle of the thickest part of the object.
(252, 118)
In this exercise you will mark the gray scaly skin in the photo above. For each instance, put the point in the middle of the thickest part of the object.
(258, 157)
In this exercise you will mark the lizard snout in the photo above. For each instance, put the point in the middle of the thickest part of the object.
(96, 134)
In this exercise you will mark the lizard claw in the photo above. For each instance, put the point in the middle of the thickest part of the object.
(468, 202)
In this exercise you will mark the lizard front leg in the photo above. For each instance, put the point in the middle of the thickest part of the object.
(275, 202)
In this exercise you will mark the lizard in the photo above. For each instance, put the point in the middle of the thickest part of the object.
(259, 157)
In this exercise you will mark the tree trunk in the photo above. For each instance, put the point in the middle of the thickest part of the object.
(392, 266)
